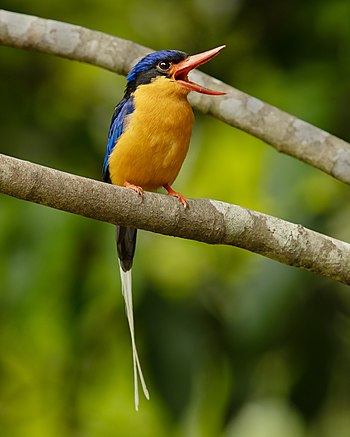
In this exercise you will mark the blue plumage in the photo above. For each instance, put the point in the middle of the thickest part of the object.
(151, 148)
(124, 108)
(152, 59)
(126, 105)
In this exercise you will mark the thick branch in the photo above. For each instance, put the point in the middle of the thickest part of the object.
(286, 133)
(206, 220)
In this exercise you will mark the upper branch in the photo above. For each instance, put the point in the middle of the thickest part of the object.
(283, 131)
(206, 220)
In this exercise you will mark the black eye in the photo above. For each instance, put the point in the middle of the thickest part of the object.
(163, 65)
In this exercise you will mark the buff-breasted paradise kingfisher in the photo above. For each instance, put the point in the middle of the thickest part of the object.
(148, 141)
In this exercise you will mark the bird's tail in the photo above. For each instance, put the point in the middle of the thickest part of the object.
(127, 236)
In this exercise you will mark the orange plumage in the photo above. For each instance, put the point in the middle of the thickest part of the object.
(155, 142)
(147, 143)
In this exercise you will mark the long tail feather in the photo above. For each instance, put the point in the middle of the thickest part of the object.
(127, 293)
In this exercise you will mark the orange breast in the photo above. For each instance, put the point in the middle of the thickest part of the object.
(155, 142)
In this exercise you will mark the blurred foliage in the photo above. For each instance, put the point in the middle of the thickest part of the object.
(232, 344)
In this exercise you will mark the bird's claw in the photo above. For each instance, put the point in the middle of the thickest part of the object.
(179, 196)
(182, 199)
(136, 188)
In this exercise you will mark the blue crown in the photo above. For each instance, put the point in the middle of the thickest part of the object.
(151, 60)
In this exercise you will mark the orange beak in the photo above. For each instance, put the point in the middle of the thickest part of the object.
(182, 69)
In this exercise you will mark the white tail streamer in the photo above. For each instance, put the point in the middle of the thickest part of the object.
(127, 294)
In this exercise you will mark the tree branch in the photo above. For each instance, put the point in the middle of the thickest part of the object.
(286, 133)
(209, 221)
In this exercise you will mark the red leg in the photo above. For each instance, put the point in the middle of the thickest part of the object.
(136, 188)
(171, 192)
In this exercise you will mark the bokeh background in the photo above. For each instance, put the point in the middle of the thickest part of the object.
(232, 344)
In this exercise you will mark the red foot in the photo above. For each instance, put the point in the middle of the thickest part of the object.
(136, 188)
(171, 192)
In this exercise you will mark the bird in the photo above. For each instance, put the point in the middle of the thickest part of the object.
(148, 140)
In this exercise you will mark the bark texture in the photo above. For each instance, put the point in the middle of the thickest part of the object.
(209, 221)
(206, 220)
(283, 131)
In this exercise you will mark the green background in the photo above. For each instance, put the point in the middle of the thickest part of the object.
(232, 344)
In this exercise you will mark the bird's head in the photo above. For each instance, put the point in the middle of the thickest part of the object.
(173, 65)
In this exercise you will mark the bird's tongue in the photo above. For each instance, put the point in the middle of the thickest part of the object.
(188, 64)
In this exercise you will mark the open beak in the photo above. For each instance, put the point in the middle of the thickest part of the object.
(182, 69)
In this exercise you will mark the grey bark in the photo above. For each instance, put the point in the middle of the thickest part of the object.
(206, 220)
(209, 221)
(283, 131)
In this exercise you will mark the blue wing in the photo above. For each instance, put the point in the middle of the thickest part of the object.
(124, 108)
